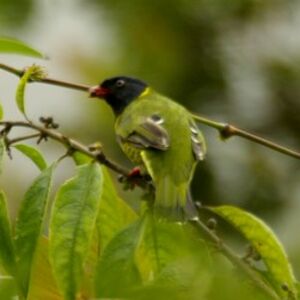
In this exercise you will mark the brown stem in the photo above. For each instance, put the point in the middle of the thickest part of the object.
(226, 131)
(23, 138)
(47, 80)
(69, 143)
(230, 130)
(70, 85)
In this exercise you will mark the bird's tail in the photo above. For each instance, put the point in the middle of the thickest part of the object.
(172, 201)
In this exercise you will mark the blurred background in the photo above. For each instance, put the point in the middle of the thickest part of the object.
(235, 61)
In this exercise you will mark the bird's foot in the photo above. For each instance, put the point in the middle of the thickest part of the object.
(134, 178)
(135, 172)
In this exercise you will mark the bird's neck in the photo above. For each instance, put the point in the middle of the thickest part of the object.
(119, 104)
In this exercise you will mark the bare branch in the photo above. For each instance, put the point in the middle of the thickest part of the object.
(22, 138)
(68, 142)
(47, 80)
(226, 131)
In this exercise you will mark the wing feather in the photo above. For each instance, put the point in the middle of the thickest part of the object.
(149, 134)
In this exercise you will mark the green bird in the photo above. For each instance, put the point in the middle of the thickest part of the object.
(157, 134)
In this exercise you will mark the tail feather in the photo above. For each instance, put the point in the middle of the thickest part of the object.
(172, 200)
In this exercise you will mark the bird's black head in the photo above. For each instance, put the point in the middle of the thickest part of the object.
(118, 91)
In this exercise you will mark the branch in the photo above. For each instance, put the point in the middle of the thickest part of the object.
(47, 80)
(71, 144)
(234, 258)
(22, 138)
(226, 131)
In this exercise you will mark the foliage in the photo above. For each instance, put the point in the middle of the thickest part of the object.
(32, 71)
(99, 247)
(9, 45)
(266, 245)
(33, 154)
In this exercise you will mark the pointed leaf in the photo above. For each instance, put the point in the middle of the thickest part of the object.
(160, 243)
(33, 154)
(42, 283)
(21, 89)
(29, 224)
(165, 250)
(117, 271)
(114, 213)
(265, 242)
(9, 45)
(146, 252)
(7, 255)
(71, 229)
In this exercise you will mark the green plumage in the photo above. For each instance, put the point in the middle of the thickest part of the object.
(161, 136)
(157, 134)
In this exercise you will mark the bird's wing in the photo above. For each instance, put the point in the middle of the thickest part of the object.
(149, 134)
(198, 144)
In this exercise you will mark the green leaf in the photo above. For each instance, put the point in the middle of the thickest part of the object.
(114, 213)
(166, 251)
(161, 243)
(117, 272)
(150, 251)
(80, 158)
(20, 99)
(9, 45)
(42, 283)
(7, 254)
(33, 154)
(8, 289)
(2, 150)
(72, 225)
(29, 225)
(266, 244)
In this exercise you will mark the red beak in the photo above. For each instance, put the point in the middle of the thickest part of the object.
(98, 91)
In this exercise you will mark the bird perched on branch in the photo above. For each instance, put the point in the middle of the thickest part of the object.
(157, 134)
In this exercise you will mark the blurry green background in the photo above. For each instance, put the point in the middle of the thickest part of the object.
(235, 61)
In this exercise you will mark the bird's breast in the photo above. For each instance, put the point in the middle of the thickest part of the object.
(133, 153)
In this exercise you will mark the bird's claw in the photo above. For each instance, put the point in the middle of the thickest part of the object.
(135, 173)
(132, 179)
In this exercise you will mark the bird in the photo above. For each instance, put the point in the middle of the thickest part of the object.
(158, 135)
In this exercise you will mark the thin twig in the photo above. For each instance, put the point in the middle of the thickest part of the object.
(70, 85)
(234, 258)
(11, 70)
(226, 131)
(47, 80)
(23, 138)
(69, 143)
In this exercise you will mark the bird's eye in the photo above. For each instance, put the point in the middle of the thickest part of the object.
(120, 83)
